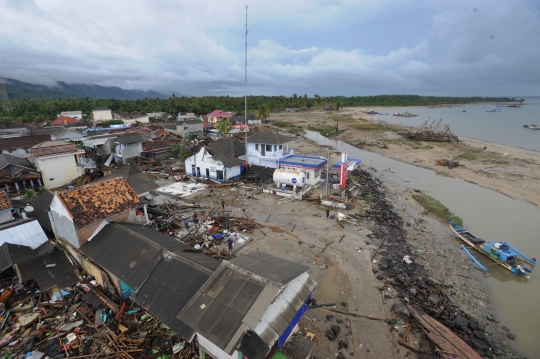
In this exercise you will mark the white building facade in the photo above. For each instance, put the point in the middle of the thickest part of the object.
(219, 168)
(266, 149)
(100, 114)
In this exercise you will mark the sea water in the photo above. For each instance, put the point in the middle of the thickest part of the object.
(505, 128)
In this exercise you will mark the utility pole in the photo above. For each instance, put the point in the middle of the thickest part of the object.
(245, 84)
(6, 105)
(327, 169)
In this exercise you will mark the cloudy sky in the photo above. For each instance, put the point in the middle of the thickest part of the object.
(325, 47)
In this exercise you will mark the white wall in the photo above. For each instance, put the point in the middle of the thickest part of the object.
(63, 222)
(144, 119)
(18, 152)
(102, 115)
(203, 160)
(126, 151)
(58, 170)
(269, 159)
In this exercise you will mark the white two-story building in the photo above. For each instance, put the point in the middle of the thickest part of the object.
(266, 149)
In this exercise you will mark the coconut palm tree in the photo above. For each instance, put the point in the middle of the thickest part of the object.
(262, 113)
(338, 105)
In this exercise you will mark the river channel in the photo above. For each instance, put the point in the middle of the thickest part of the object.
(489, 215)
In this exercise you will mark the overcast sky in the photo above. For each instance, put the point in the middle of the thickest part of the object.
(325, 47)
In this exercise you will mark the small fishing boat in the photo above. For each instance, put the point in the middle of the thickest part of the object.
(495, 110)
(503, 253)
(532, 126)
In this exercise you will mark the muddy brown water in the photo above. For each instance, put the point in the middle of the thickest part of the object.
(489, 215)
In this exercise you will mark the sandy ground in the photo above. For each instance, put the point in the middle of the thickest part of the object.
(512, 171)
(340, 260)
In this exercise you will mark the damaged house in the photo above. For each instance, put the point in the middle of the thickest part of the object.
(218, 161)
(128, 145)
(18, 174)
(80, 212)
(249, 306)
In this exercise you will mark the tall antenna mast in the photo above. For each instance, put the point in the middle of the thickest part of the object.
(245, 84)
(6, 105)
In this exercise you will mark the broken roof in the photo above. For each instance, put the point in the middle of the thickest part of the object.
(5, 203)
(156, 145)
(260, 172)
(41, 205)
(128, 138)
(98, 201)
(137, 179)
(52, 147)
(48, 271)
(227, 146)
(269, 138)
(13, 143)
(11, 254)
(150, 263)
(227, 160)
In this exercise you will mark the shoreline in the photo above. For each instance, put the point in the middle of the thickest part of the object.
(512, 171)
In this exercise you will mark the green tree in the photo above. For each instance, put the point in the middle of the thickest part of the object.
(338, 105)
(224, 127)
(318, 100)
(262, 113)
(6, 121)
(178, 150)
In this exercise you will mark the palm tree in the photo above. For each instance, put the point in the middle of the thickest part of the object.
(338, 105)
(262, 113)
(224, 127)
(318, 100)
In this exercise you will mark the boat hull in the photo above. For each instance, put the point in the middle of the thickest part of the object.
(481, 250)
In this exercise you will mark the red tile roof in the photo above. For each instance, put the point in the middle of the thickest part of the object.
(163, 133)
(219, 113)
(5, 203)
(100, 200)
(65, 120)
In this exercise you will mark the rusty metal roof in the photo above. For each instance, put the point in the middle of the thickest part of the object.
(100, 200)
(52, 147)
(22, 142)
(5, 203)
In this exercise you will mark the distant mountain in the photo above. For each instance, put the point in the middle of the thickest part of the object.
(17, 90)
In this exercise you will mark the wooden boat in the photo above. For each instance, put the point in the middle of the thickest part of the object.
(503, 253)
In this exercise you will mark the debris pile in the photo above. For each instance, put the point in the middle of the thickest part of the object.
(82, 322)
(447, 163)
(403, 277)
(208, 232)
(434, 131)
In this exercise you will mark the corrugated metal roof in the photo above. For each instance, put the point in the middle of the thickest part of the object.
(50, 270)
(25, 232)
(218, 309)
(268, 266)
(41, 205)
(13, 254)
(164, 294)
(257, 310)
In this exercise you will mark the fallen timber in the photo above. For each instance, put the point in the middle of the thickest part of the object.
(443, 337)
(434, 131)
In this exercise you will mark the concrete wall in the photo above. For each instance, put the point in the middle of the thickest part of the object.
(63, 223)
(103, 115)
(6, 215)
(58, 170)
(126, 151)
(18, 152)
(144, 119)
(269, 159)
(185, 129)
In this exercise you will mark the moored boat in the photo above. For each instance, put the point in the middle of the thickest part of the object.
(532, 126)
(503, 253)
(495, 110)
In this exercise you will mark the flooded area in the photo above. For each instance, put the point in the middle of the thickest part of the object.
(487, 214)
